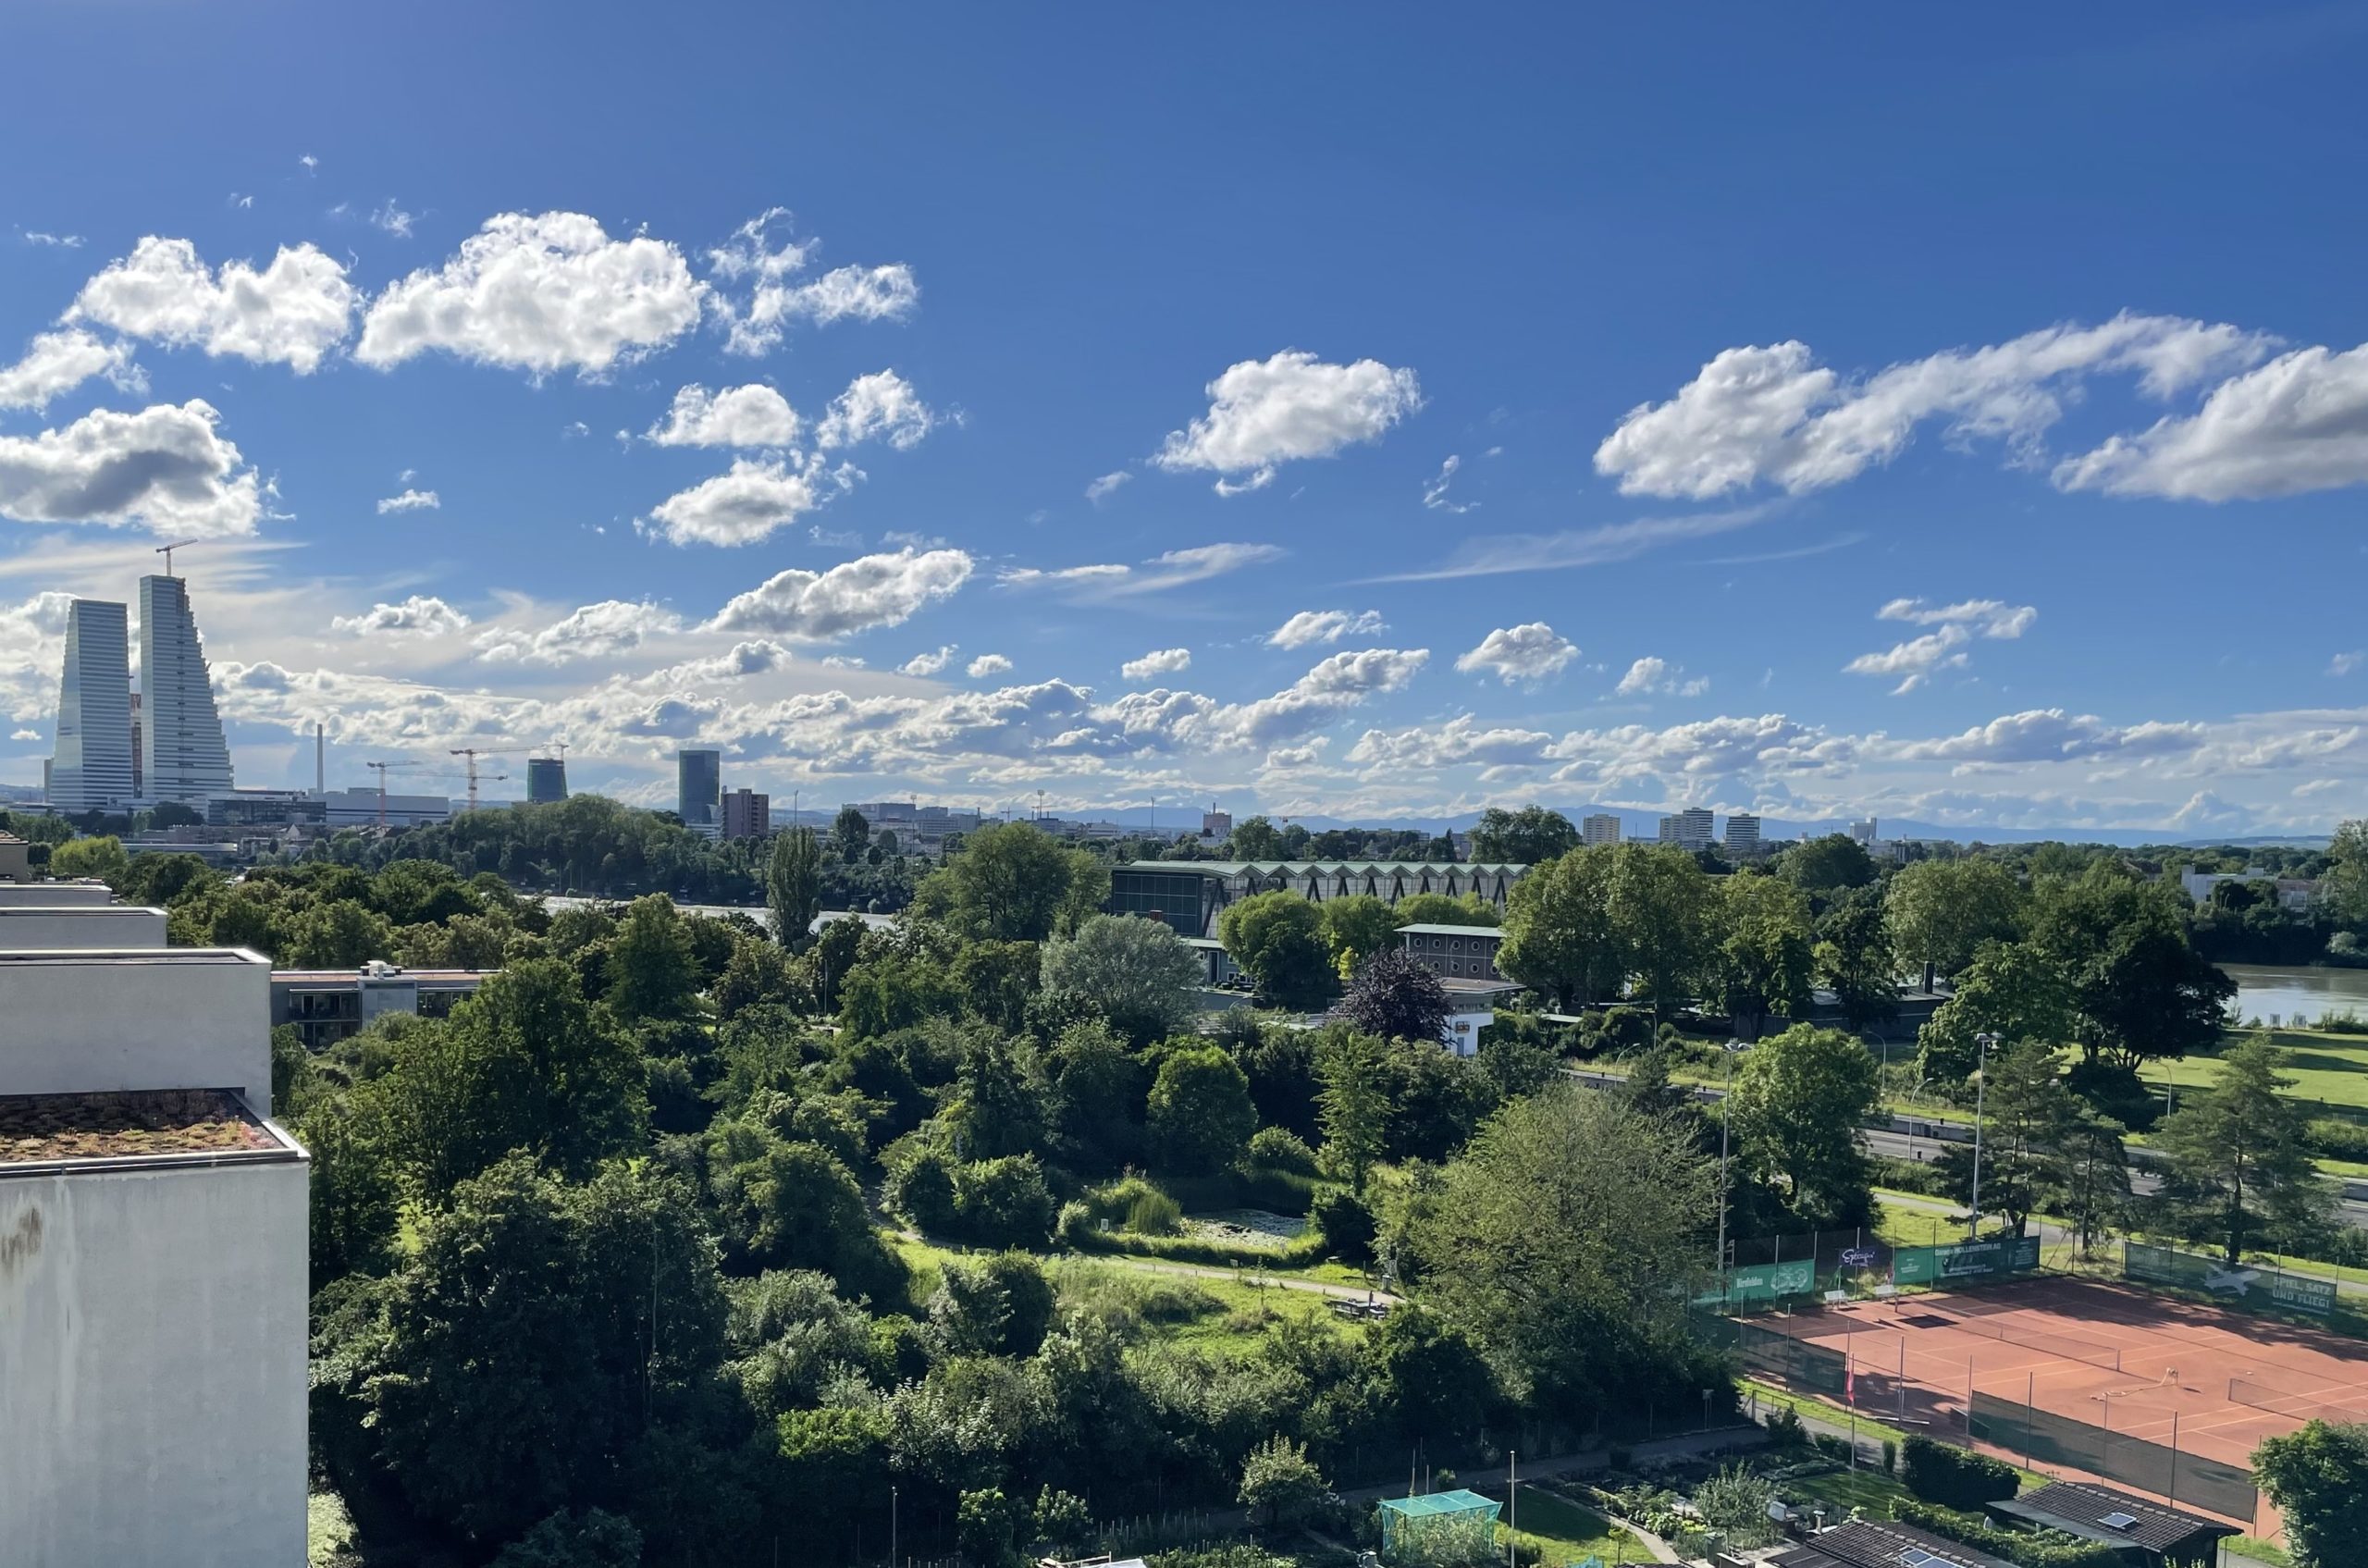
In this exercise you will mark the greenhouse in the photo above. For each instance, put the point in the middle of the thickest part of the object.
(1439, 1527)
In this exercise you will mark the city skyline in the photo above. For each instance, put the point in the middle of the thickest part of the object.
(967, 469)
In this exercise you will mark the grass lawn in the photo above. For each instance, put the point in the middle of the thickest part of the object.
(1562, 1532)
(2330, 1069)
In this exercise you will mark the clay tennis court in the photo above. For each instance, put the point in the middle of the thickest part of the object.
(2203, 1384)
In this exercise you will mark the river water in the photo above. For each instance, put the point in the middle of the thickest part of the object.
(2294, 994)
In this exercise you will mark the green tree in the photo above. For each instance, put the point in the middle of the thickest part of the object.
(1432, 1378)
(794, 884)
(1280, 1485)
(1797, 1101)
(594, 1539)
(996, 980)
(1256, 839)
(651, 972)
(1354, 1104)
(1278, 939)
(1658, 901)
(2318, 1478)
(1570, 1186)
(1355, 929)
(2011, 989)
(1097, 1092)
(1138, 972)
(1941, 911)
(851, 832)
(1559, 933)
(1009, 880)
(987, 1527)
(340, 935)
(1855, 958)
(1200, 1116)
(524, 1064)
(2026, 1112)
(1085, 896)
(1530, 837)
(1833, 863)
(2240, 1160)
(1438, 910)
(793, 1206)
(2094, 1170)
(1765, 958)
(104, 857)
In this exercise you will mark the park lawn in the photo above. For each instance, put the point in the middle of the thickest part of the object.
(2327, 1069)
(1562, 1532)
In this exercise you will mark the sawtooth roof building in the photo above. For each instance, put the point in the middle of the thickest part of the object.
(1190, 894)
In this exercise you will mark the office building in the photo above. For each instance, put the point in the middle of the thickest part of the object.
(1689, 830)
(699, 787)
(1190, 894)
(90, 770)
(183, 756)
(1865, 832)
(1602, 828)
(153, 1262)
(1743, 836)
(545, 779)
(746, 814)
(327, 1005)
(138, 752)
(362, 806)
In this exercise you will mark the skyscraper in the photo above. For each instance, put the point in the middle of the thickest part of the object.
(545, 779)
(92, 770)
(183, 755)
(698, 787)
(1601, 827)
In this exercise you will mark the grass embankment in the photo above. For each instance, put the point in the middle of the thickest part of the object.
(1560, 1531)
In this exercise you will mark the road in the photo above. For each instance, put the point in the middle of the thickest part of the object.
(1920, 1138)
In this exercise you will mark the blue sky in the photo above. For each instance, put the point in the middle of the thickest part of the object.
(1546, 403)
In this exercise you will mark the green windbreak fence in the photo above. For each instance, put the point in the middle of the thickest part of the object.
(2245, 1286)
(2041, 1437)
(1813, 1369)
(1964, 1261)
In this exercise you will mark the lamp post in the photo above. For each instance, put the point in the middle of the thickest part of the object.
(1719, 1264)
(1980, 1091)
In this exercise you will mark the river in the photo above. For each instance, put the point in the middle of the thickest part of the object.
(2292, 996)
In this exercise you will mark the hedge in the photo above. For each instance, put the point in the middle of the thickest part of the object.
(2030, 1550)
(1954, 1478)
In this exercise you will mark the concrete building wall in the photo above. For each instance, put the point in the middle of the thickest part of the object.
(151, 1366)
(33, 929)
(52, 894)
(185, 1017)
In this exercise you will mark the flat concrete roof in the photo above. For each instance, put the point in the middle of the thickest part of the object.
(1498, 932)
(83, 957)
(133, 1124)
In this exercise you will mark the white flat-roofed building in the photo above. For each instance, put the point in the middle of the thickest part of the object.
(327, 1005)
(49, 895)
(358, 806)
(153, 1270)
(1689, 830)
(35, 928)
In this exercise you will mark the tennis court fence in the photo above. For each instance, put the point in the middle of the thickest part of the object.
(2042, 1437)
(2071, 1347)
(2335, 1405)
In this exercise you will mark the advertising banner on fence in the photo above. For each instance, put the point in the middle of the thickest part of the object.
(2166, 1265)
(1965, 1261)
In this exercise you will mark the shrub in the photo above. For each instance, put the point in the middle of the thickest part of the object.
(2343, 1023)
(1785, 1428)
(2338, 1138)
(1891, 1457)
(1154, 1213)
(1002, 1201)
(1954, 1478)
(1830, 1446)
(1076, 1227)
(2032, 1549)
(1346, 1225)
(1277, 1148)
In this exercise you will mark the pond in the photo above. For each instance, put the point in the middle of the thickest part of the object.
(2293, 995)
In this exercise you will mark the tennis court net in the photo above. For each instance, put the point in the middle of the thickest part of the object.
(2071, 1347)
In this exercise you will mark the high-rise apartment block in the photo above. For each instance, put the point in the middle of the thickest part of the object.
(1602, 828)
(698, 788)
(545, 779)
(183, 756)
(92, 768)
(152, 1257)
(1743, 835)
(746, 814)
(1689, 829)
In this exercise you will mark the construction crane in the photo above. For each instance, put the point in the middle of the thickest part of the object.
(473, 753)
(380, 769)
(167, 551)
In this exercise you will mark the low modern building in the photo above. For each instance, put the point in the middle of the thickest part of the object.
(362, 806)
(327, 1005)
(1454, 952)
(49, 895)
(747, 813)
(2291, 892)
(1602, 828)
(277, 808)
(153, 1263)
(1190, 894)
(2144, 1532)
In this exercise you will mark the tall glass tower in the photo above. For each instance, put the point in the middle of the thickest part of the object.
(91, 767)
(182, 753)
(699, 787)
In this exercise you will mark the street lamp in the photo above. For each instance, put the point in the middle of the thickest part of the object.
(1734, 1048)
(1980, 1089)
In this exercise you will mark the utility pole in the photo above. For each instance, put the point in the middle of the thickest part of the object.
(1734, 1048)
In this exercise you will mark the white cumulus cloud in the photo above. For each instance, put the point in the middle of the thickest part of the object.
(1264, 413)
(763, 251)
(1105, 487)
(1310, 626)
(754, 415)
(293, 312)
(855, 596)
(1954, 625)
(1774, 415)
(164, 468)
(746, 504)
(881, 406)
(420, 615)
(410, 501)
(1654, 676)
(541, 293)
(57, 363)
(2298, 423)
(594, 630)
(1532, 651)
(988, 664)
(927, 664)
(1159, 661)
